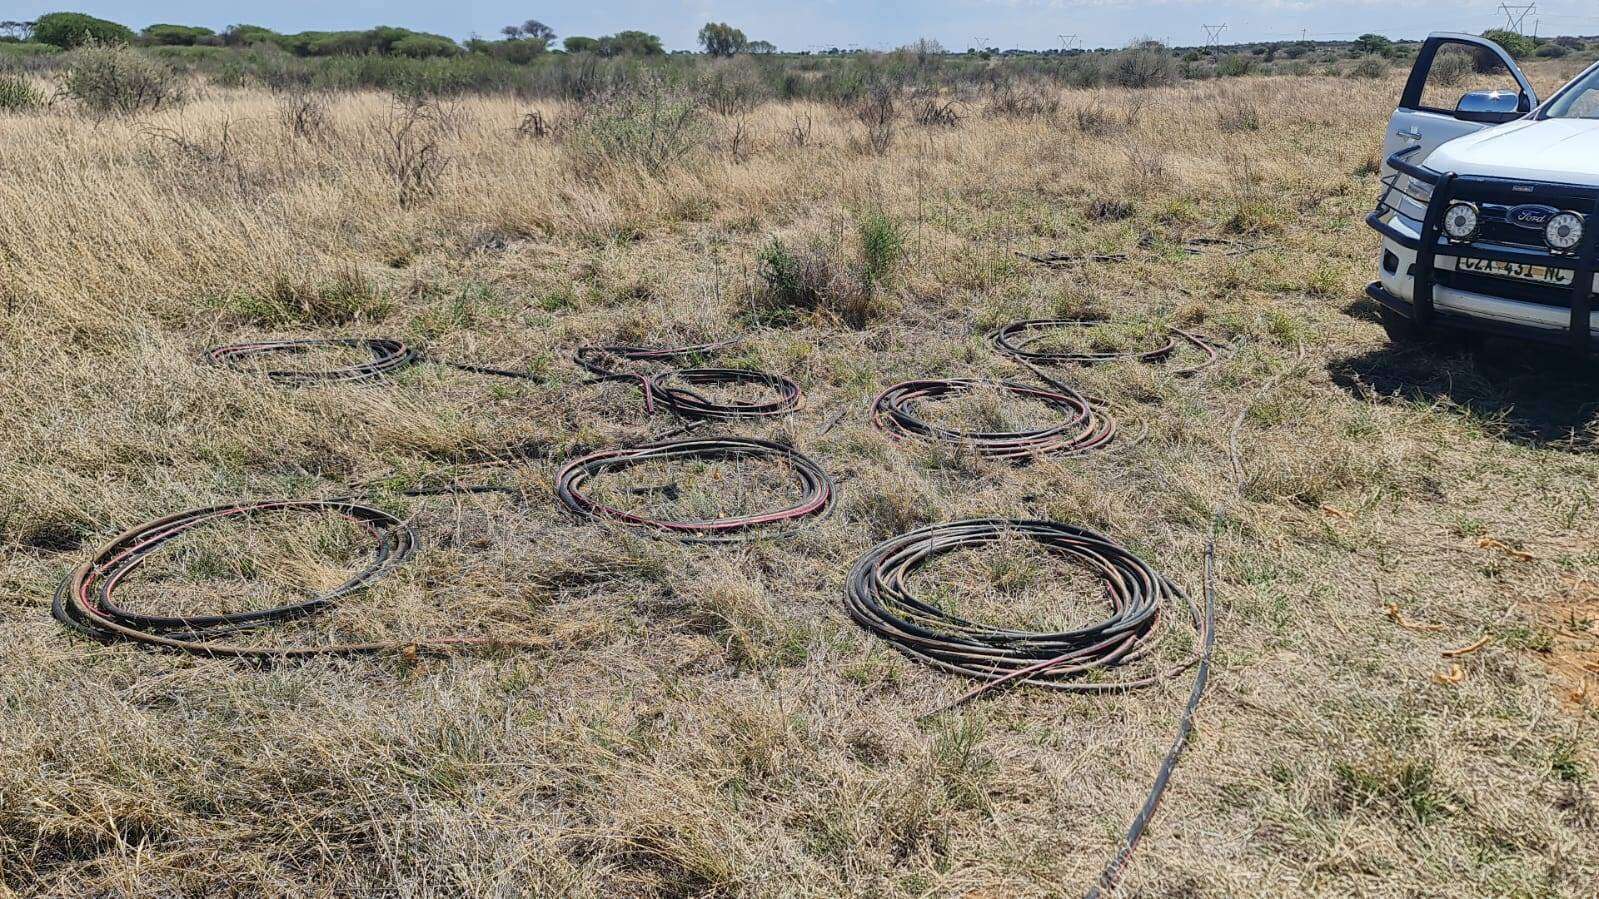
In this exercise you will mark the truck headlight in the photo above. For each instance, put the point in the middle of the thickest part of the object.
(1461, 221)
(1563, 232)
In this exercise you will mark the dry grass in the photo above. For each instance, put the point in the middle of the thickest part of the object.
(706, 721)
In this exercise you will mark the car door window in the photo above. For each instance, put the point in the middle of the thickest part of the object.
(1459, 69)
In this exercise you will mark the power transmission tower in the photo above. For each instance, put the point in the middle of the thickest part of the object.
(1213, 37)
(1516, 15)
(1068, 42)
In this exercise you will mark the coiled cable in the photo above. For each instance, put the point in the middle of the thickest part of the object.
(675, 388)
(1017, 338)
(389, 357)
(1084, 430)
(877, 596)
(85, 600)
(816, 486)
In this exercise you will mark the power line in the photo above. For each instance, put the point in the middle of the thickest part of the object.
(1213, 37)
(1516, 15)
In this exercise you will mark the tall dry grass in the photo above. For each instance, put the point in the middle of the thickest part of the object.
(706, 721)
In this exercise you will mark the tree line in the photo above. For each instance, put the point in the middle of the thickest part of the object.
(518, 43)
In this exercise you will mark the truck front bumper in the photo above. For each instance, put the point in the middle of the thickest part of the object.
(1419, 264)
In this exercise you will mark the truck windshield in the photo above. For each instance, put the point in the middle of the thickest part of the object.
(1581, 101)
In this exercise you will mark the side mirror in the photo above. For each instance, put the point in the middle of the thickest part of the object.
(1489, 107)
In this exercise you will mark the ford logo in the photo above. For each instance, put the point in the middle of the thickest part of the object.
(1534, 217)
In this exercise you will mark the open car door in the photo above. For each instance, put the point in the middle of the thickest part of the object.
(1460, 83)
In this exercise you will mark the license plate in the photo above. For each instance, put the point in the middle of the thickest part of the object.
(1516, 271)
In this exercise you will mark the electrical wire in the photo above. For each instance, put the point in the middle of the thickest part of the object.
(1106, 884)
(1016, 339)
(675, 388)
(85, 600)
(817, 487)
(1084, 430)
(877, 596)
(389, 357)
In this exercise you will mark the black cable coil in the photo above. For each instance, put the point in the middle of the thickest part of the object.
(1084, 430)
(389, 357)
(877, 597)
(86, 603)
(817, 486)
(1016, 338)
(674, 388)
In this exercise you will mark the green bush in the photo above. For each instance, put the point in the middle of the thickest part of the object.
(27, 50)
(651, 129)
(1370, 67)
(882, 246)
(1144, 64)
(17, 94)
(175, 35)
(1235, 65)
(421, 46)
(1519, 46)
(119, 81)
(74, 29)
(1450, 69)
(1553, 51)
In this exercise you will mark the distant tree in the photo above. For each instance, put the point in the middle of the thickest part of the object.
(722, 39)
(1519, 46)
(19, 30)
(175, 35)
(535, 29)
(1374, 44)
(242, 35)
(71, 29)
(512, 32)
(631, 43)
(520, 51)
(762, 47)
(575, 44)
(422, 46)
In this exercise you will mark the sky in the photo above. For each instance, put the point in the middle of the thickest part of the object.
(875, 24)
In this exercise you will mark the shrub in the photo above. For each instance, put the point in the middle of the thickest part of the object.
(1519, 46)
(72, 29)
(878, 114)
(652, 129)
(811, 280)
(421, 46)
(118, 81)
(1450, 69)
(17, 94)
(1235, 65)
(409, 147)
(819, 278)
(175, 35)
(28, 50)
(1144, 64)
(1013, 100)
(932, 112)
(732, 86)
(882, 246)
(1553, 51)
(1370, 67)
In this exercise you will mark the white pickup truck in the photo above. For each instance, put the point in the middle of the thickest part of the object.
(1490, 206)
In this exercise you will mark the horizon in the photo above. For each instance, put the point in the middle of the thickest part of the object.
(1030, 25)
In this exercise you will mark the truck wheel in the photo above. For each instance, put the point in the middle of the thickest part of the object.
(1401, 329)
